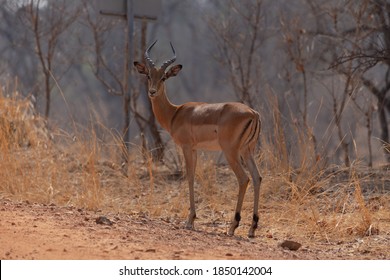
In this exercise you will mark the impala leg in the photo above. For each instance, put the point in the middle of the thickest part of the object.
(243, 180)
(256, 178)
(190, 157)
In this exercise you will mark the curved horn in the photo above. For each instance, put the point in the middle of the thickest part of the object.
(147, 56)
(170, 61)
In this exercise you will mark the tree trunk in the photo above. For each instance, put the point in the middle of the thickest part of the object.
(384, 128)
(48, 97)
(159, 147)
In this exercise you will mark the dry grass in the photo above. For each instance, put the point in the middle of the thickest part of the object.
(311, 202)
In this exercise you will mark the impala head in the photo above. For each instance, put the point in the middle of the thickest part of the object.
(157, 76)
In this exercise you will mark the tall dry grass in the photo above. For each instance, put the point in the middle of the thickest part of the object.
(35, 168)
(304, 199)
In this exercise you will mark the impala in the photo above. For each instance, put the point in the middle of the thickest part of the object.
(231, 127)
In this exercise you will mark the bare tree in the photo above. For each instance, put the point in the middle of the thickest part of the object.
(297, 45)
(112, 70)
(48, 22)
(157, 151)
(358, 33)
(238, 51)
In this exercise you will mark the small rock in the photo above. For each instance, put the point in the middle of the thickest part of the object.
(151, 251)
(290, 245)
(103, 221)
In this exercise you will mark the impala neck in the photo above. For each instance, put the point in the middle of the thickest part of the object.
(163, 109)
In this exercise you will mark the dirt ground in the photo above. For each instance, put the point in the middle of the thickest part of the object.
(37, 231)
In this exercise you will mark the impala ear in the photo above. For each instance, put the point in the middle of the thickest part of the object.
(173, 71)
(141, 68)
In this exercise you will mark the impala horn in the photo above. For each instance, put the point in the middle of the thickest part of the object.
(170, 61)
(147, 56)
(165, 64)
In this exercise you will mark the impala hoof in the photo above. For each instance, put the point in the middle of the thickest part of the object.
(190, 221)
(232, 229)
(190, 227)
(235, 224)
(254, 226)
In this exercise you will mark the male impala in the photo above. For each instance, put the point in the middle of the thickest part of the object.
(231, 127)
